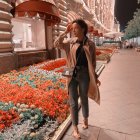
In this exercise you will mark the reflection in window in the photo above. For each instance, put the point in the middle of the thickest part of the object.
(29, 34)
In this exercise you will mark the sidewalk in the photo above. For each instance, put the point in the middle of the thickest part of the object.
(118, 116)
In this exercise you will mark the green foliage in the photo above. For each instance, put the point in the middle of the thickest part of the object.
(133, 28)
(34, 114)
(1, 138)
(111, 41)
(31, 138)
(6, 106)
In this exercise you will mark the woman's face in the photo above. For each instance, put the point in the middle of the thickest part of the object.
(77, 30)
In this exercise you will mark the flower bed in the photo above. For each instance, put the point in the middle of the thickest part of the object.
(37, 103)
(103, 57)
(104, 53)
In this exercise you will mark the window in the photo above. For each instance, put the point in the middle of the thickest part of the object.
(29, 34)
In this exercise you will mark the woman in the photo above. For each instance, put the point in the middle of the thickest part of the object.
(80, 52)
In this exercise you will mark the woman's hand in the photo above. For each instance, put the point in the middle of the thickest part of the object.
(69, 28)
(98, 82)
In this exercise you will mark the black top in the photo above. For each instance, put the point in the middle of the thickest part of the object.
(80, 54)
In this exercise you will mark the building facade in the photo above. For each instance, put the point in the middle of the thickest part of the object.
(27, 31)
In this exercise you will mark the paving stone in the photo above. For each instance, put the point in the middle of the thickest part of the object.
(118, 116)
(110, 135)
(137, 134)
(130, 137)
(89, 134)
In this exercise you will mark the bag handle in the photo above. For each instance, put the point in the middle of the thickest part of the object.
(81, 50)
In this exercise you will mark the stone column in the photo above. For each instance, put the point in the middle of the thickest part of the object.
(7, 59)
(61, 27)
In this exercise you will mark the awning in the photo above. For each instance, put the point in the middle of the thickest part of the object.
(114, 34)
(39, 9)
(72, 16)
(95, 33)
(17, 2)
(101, 34)
(90, 26)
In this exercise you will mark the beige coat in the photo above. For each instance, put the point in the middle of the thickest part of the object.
(70, 47)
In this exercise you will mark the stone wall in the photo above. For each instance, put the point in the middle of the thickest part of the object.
(7, 62)
(29, 58)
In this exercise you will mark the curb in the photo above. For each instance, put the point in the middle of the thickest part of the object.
(103, 61)
(101, 69)
(62, 129)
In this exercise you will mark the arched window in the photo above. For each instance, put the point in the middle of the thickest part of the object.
(30, 18)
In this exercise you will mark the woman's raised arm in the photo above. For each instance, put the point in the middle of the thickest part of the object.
(59, 42)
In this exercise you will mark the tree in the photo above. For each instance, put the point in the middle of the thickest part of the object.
(133, 26)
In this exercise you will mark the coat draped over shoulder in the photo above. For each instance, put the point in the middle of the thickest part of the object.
(70, 46)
